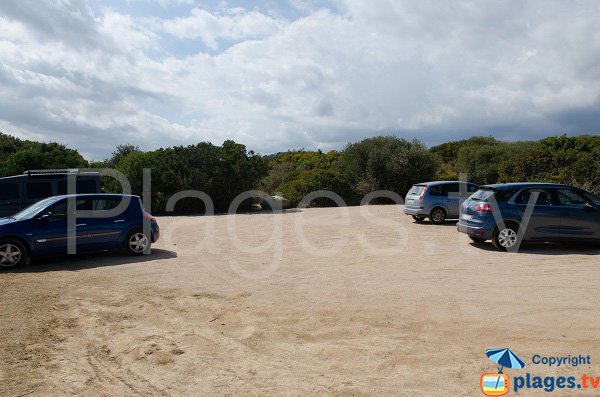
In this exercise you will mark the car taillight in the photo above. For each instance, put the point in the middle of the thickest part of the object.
(423, 193)
(483, 207)
(149, 217)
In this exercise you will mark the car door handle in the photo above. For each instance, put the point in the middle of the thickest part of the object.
(81, 224)
(119, 220)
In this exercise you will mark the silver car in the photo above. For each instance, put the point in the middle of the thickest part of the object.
(438, 200)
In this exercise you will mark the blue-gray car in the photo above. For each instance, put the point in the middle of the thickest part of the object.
(438, 201)
(93, 222)
(511, 213)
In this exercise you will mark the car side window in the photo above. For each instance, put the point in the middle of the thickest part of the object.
(472, 188)
(544, 196)
(451, 190)
(58, 210)
(570, 198)
(9, 191)
(38, 190)
(436, 191)
(85, 204)
(105, 204)
(81, 186)
(592, 199)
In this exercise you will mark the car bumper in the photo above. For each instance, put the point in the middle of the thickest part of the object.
(155, 233)
(415, 211)
(479, 231)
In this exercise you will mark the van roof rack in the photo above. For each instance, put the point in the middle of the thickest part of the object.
(59, 171)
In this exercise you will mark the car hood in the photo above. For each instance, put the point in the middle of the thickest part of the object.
(6, 221)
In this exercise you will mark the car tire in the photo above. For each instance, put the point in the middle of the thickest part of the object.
(136, 242)
(437, 216)
(418, 218)
(506, 238)
(12, 254)
(477, 240)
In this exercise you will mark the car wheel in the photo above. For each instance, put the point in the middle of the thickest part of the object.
(477, 240)
(506, 238)
(136, 242)
(12, 254)
(437, 216)
(418, 218)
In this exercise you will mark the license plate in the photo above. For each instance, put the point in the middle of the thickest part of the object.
(410, 201)
(467, 217)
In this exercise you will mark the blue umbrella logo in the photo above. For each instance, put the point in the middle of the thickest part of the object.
(505, 358)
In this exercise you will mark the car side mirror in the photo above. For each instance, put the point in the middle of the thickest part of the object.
(43, 218)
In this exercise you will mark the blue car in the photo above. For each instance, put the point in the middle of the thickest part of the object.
(94, 222)
(438, 201)
(511, 213)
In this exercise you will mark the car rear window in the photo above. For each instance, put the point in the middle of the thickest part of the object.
(416, 190)
(501, 196)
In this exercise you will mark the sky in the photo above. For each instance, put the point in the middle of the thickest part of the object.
(291, 74)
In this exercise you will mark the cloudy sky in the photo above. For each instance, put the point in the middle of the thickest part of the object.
(279, 74)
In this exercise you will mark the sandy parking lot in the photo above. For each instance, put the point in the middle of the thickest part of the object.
(315, 302)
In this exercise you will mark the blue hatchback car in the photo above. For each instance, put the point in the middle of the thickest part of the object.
(514, 212)
(94, 222)
(438, 200)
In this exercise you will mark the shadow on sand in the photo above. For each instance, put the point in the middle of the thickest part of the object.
(446, 223)
(250, 212)
(90, 261)
(548, 248)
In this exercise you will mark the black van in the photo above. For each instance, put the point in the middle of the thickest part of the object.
(20, 191)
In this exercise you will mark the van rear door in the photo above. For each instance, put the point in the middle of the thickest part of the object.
(10, 198)
(413, 197)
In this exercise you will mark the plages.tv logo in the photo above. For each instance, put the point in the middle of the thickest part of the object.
(498, 384)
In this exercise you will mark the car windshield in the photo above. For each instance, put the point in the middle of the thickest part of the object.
(33, 209)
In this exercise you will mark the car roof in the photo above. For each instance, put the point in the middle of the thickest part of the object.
(434, 183)
(521, 185)
(107, 195)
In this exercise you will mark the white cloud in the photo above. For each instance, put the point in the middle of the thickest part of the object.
(420, 69)
(127, 33)
(210, 28)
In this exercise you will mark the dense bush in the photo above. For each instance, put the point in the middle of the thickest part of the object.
(479, 157)
(570, 160)
(297, 184)
(222, 172)
(281, 165)
(379, 163)
(386, 163)
(17, 156)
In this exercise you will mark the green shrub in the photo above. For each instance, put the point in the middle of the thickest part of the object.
(297, 184)
(386, 163)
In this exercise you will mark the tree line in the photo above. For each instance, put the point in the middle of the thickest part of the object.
(377, 163)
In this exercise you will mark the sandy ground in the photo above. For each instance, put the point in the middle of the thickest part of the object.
(334, 302)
